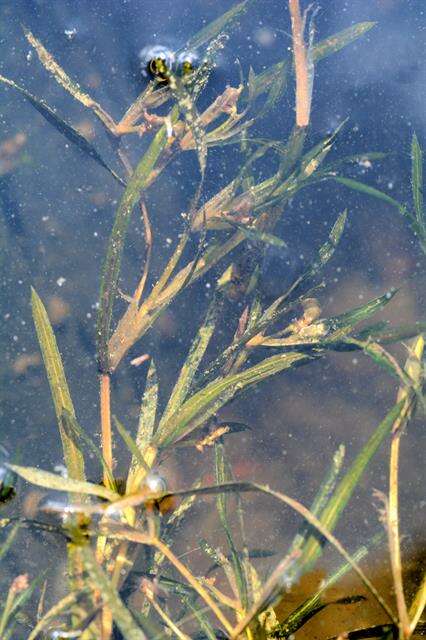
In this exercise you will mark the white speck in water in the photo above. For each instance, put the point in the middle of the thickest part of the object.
(61, 281)
(70, 33)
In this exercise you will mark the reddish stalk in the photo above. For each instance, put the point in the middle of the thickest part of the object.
(106, 436)
(303, 93)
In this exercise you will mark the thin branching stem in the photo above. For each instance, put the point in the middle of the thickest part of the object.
(190, 578)
(169, 622)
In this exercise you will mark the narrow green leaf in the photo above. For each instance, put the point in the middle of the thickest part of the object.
(58, 385)
(387, 335)
(417, 180)
(130, 443)
(273, 74)
(256, 235)
(74, 430)
(122, 616)
(277, 308)
(369, 191)
(62, 78)
(339, 40)
(65, 129)
(6, 545)
(223, 475)
(63, 606)
(203, 621)
(217, 26)
(315, 603)
(192, 362)
(207, 401)
(58, 483)
(111, 271)
(347, 485)
(342, 324)
(147, 415)
(383, 359)
(322, 497)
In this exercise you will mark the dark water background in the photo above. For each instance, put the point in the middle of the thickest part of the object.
(57, 209)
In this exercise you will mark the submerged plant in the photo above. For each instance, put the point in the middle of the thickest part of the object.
(119, 532)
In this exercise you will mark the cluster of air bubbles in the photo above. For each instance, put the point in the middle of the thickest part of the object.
(7, 477)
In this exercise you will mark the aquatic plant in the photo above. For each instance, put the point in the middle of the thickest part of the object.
(119, 533)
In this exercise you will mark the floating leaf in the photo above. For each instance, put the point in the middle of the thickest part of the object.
(74, 136)
(58, 385)
(59, 483)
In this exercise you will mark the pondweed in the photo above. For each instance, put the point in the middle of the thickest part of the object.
(119, 533)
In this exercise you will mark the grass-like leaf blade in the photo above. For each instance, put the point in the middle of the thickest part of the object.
(312, 605)
(62, 78)
(347, 485)
(223, 475)
(111, 271)
(417, 180)
(59, 483)
(130, 443)
(65, 129)
(207, 401)
(339, 40)
(58, 385)
(218, 26)
(148, 410)
(192, 362)
(369, 191)
(122, 616)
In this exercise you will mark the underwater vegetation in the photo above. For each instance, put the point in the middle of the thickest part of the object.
(124, 577)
